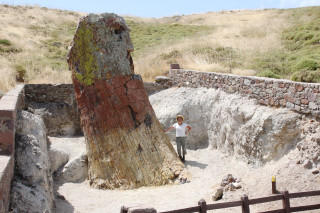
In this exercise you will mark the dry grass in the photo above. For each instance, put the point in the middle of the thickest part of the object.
(227, 41)
(247, 33)
(28, 29)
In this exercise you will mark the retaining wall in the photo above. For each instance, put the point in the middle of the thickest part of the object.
(56, 104)
(64, 93)
(9, 104)
(297, 96)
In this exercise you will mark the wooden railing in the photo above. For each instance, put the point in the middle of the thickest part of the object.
(245, 203)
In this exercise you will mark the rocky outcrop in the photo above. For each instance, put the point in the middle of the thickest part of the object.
(231, 123)
(309, 147)
(32, 189)
(126, 144)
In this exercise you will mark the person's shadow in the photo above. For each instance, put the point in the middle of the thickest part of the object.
(195, 164)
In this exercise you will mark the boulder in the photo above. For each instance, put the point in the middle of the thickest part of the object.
(32, 189)
(217, 194)
(68, 157)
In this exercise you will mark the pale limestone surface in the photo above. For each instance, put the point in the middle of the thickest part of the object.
(32, 187)
(230, 123)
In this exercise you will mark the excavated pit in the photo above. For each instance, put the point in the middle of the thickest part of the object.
(229, 131)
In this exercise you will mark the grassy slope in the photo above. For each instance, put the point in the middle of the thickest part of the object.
(273, 43)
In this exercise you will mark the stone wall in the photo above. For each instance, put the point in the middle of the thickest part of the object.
(56, 104)
(9, 104)
(297, 96)
(50, 93)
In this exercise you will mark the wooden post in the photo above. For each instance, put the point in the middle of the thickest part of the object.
(286, 201)
(245, 206)
(123, 210)
(203, 206)
(274, 186)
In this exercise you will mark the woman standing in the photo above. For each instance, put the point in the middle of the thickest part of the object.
(182, 129)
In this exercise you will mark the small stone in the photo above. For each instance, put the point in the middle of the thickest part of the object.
(283, 102)
(304, 101)
(297, 108)
(290, 105)
(313, 106)
(307, 164)
(238, 180)
(182, 181)
(315, 171)
(224, 183)
(247, 82)
(229, 178)
(299, 87)
(312, 97)
(217, 194)
(236, 185)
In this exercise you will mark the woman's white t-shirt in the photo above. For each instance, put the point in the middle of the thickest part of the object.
(180, 129)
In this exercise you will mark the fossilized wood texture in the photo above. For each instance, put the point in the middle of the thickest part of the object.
(126, 145)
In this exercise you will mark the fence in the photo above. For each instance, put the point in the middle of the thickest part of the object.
(245, 203)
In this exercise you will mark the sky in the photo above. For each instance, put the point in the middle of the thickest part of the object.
(161, 8)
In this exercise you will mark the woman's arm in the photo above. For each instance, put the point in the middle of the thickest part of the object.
(169, 129)
(189, 129)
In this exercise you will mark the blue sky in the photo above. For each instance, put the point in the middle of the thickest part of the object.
(160, 8)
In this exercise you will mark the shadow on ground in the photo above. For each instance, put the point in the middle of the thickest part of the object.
(196, 164)
(61, 204)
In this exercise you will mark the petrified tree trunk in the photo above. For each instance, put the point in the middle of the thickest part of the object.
(126, 144)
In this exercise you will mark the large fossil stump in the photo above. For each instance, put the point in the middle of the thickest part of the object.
(126, 145)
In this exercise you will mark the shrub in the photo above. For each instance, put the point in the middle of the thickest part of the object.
(310, 76)
(268, 74)
(5, 42)
(20, 73)
(305, 64)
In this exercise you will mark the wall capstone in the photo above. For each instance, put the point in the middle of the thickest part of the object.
(9, 104)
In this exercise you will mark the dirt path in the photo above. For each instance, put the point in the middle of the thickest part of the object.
(208, 168)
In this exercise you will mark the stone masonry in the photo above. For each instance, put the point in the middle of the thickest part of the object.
(297, 96)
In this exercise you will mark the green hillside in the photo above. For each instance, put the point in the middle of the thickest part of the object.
(271, 43)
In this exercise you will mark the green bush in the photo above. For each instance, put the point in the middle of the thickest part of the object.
(20, 73)
(305, 64)
(5, 42)
(310, 76)
(276, 62)
(268, 74)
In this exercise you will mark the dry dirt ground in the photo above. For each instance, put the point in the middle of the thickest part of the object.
(207, 168)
